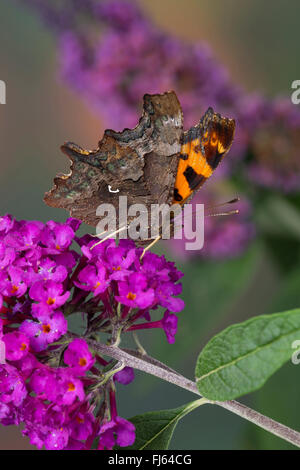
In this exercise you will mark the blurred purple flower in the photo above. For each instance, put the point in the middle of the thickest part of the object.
(129, 56)
(224, 236)
(132, 58)
(274, 142)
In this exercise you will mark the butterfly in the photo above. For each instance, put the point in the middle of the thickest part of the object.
(154, 163)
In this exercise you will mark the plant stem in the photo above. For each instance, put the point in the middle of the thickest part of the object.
(154, 367)
(278, 429)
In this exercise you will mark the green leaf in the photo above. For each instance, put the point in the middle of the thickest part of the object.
(278, 397)
(241, 358)
(154, 430)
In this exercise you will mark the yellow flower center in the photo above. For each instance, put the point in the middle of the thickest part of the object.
(131, 296)
(82, 362)
(71, 387)
(46, 328)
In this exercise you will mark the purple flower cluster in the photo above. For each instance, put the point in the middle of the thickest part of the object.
(133, 57)
(130, 56)
(273, 143)
(52, 380)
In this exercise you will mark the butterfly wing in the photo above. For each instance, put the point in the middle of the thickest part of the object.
(140, 163)
(202, 150)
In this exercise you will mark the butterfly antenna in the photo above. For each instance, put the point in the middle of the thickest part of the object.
(109, 235)
(150, 246)
(97, 235)
(232, 201)
(214, 206)
(222, 214)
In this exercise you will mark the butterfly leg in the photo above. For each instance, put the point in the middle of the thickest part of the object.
(150, 246)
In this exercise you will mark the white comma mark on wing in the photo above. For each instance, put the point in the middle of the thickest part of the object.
(111, 190)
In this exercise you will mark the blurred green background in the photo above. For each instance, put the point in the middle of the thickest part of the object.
(259, 44)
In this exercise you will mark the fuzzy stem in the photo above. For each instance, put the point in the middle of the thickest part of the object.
(150, 365)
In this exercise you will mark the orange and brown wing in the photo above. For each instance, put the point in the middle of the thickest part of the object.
(202, 149)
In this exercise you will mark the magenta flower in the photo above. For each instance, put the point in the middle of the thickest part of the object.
(56, 237)
(118, 431)
(43, 383)
(57, 439)
(168, 323)
(60, 385)
(12, 386)
(165, 293)
(27, 364)
(78, 356)
(26, 237)
(6, 224)
(119, 262)
(73, 223)
(43, 332)
(7, 255)
(81, 426)
(51, 380)
(6, 412)
(48, 270)
(13, 284)
(16, 345)
(135, 292)
(159, 269)
(50, 296)
(92, 278)
(69, 388)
